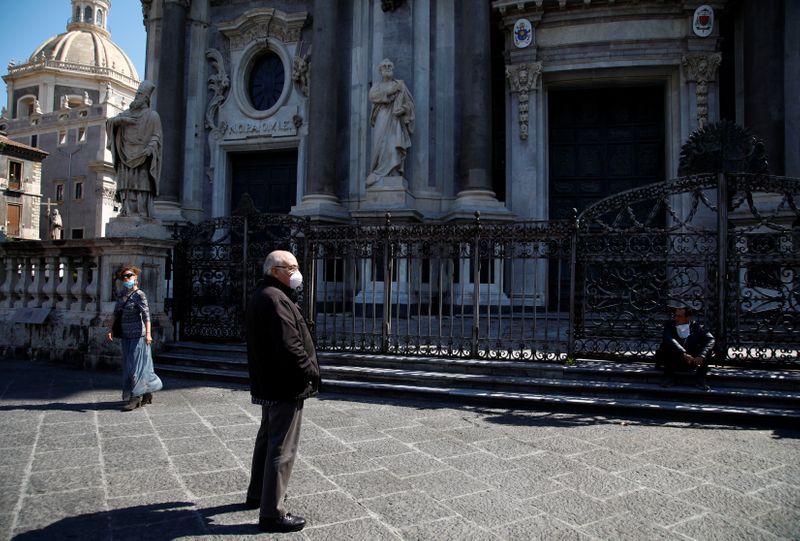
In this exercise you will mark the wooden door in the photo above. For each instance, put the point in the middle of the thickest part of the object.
(13, 217)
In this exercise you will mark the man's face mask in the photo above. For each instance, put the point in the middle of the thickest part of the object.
(683, 330)
(295, 280)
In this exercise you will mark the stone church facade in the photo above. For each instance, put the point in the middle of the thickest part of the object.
(524, 110)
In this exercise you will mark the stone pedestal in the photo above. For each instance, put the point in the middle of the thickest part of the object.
(389, 194)
(483, 201)
(321, 207)
(138, 227)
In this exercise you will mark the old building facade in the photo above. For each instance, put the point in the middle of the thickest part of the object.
(20, 189)
(58, 101)
(523, 110)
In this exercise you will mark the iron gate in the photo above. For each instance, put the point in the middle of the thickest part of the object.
(217, 264)
(726, 245)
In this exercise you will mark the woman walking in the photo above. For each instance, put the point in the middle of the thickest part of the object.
(139, 380)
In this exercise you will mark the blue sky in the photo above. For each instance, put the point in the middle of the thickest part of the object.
(34, 21)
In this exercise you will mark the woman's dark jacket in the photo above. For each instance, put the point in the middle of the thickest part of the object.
(133, 309)
(280, 351)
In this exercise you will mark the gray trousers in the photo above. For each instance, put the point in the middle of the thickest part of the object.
(273, 456)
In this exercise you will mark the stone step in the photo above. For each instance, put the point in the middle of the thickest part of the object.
(650, 408)
(589, 383)
(576, 387)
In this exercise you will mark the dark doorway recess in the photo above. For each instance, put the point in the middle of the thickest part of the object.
(603, 141)
(270, 178)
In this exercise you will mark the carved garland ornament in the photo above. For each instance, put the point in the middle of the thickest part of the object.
(522, 79)
(301, 69)
(219, 84)
(701, 69)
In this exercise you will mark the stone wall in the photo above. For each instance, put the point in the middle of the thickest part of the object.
(57, 297)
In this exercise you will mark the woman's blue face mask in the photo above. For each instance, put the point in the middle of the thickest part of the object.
(129, 283)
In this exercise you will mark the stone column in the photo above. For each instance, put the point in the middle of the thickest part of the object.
(475, 149)
(170, 105)
(320, 200)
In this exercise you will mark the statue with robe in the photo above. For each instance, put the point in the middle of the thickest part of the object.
(392, 122)
(134, 138)
(56, 224)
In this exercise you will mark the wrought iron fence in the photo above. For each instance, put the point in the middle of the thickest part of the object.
(598, 285)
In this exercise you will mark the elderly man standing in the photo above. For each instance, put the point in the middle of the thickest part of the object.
(283, 372)
(134, 138)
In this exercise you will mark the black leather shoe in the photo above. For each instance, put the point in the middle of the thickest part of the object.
(252, 503)
(286, 523)
(147, 398)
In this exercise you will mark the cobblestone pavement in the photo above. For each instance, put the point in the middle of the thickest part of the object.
(73, 466)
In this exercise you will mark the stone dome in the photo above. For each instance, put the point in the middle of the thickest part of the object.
(88, 46)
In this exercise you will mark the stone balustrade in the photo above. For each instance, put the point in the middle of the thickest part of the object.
(104, 71)
(57, 297)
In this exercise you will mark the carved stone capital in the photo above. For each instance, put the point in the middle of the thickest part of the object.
(701, 67)
(522, 79)
(263, 23)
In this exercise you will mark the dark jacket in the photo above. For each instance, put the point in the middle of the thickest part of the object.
(134, 312)
(280, 351)
(699, 343)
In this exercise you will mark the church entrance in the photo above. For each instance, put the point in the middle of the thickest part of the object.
(269, 177)
(603, 141)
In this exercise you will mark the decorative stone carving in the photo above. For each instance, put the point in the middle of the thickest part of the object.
(301, 69)
(722, 147)
(4, 112)
(37, 107)
(64, 102)
(701, 69)
(147, 5)
(219, 84)
(392, 122)
(263, 23)
(134, 138)
(522, 79)
(86, 99)
(106, 193)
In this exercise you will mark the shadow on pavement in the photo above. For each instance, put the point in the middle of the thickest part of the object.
(154, 522)
(78, 407)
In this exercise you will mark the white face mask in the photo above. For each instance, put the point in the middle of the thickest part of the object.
(683, 330)
(295, 280)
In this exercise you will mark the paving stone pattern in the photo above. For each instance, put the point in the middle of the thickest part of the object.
(73, 466)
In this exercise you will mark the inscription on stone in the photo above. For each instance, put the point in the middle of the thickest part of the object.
(273, 128)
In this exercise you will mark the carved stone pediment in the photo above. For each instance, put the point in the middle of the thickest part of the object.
(263, 23)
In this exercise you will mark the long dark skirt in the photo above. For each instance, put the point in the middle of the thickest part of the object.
(138, 376)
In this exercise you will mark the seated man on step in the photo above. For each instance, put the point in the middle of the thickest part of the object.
(685, 346)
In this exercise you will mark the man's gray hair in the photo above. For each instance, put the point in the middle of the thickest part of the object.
(272, 259)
